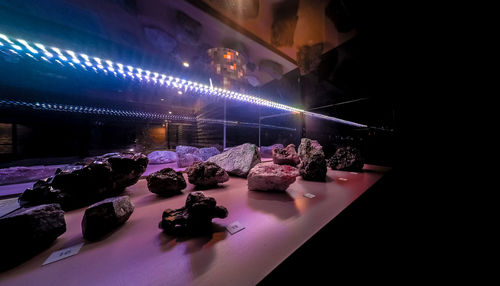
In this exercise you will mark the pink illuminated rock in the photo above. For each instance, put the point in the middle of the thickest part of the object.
(271, 177)
(286, 156)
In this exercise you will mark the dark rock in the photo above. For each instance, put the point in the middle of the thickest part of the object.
(206, 174)
(162, 157)
(187, 155)
(82, 185)
(166, 182)
(238, 160)
(346, 159)
(27, 231)
(284, 23)
(104, 216)
(208, 152)
(271, 177)
(187, 29)
(286, 156)
(313, 163)
(194, 218)
(267, 151)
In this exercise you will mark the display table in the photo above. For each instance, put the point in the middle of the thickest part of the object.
(139, 253)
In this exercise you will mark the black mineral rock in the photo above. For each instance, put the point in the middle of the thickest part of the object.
(346, 159)
(313, 163)
(206, 174)
(27, 231)
(194, 218)
(104, 216)
(166, 182)
(81, 185)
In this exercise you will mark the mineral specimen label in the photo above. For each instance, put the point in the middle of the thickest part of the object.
(309, 195)
(63, 253)
(235, 227)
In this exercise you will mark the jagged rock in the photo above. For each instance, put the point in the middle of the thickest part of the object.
(271, 177)
(206, 174)
(166, 182)
(162, 157)
(286, 156)
(194, 218)
(238, 160)
(313, 163)
(272, 68)
(346, 159)
(27, 231)
(83, 185)
(208, 152)
(160, 39)
(307, 146)
(187, 29)
(187, 155)
(267, 151)
(104, 216)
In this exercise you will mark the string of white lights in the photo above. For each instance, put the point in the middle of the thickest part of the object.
(38, 51)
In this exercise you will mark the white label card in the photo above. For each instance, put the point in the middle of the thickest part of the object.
(342, 179)
(235, 227)
(63, 253)
(309, 195)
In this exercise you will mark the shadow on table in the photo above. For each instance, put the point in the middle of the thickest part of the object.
(280, 204)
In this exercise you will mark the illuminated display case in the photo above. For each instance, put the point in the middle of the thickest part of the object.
(79, 79)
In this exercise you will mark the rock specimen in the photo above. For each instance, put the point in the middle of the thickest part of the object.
(313, 163)
(27, 231)
(346, 159)
(309, 57)
(238, 160)
(82, 185)
(208, 152)
(104, 216)
(194, 218)
(166, 182)
(284, 23)
(271, 177)
(267, 151)
(15, 175)
(187, 155)
(162, 157)
(286, 156)
(206, 174)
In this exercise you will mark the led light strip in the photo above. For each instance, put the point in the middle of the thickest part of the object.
(129, 113)
(84, 62)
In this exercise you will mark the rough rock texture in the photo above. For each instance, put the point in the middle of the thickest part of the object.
(82, 185)
(346, 159)
(194, 218)
(104, 216)
(187, 29)
(313, 163)
(166, 182)
(286, 156)
(26, 231)
(272, 68)
(307, 146)
(206, 174)
(267, 151)
(241, 9)
(271, 177)
(162, 157)
(187, 155)
(208, 152)
(238, 160)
